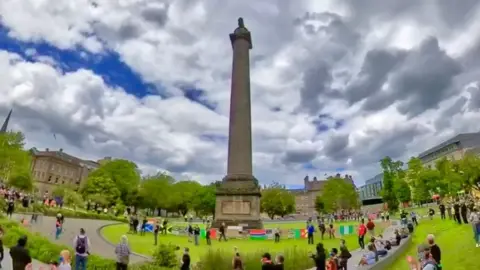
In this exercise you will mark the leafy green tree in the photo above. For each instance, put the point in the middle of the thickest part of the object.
(72, 198)
(403, 192)
(338, 194)
(320, 205)
(155, 190)
(97, 187)
(391, 172)
(277, 201)
(123, 173)
(182, 196)
(469, 168)
(14, 160)
(425, 184)
(205, 200)
(21, 180)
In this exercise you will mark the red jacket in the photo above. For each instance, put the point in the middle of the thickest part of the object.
(362, 230)
(370, 225)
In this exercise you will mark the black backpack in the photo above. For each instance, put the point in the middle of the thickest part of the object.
(81, 247)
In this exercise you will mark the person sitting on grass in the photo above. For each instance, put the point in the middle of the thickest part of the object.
(370, 257)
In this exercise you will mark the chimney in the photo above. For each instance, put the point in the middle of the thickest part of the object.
(47, 149)
(60, 150)
(315, 178)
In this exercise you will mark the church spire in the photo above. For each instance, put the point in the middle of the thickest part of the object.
(5, 124)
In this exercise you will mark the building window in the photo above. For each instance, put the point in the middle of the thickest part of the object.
(50, 178)
(56, 180)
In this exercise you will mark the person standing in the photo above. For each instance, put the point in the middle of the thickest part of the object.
(185, 260)
(441, 207)
(81, 243)
(135, 224)
(362, 230)
(322, 229)
(196, 234)
(320, 257)
(144, 226)
(475, 221)
(156, 230)
(10, 207)
(413, 215)
(456, 213)
(371, 227)
(122, 250)
(449, 211)
(222, 233)
(310, 231)
(20, 255)
(276, 233)
(463, 212)
(208, 234)
(435, 251)
(58, 228)
(344, 256)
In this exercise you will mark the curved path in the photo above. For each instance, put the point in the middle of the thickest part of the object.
(46, 227)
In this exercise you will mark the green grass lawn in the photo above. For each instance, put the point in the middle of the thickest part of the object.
(144, 244)
(455, 241)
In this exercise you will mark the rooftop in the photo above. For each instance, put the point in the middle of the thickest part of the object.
(456, 139)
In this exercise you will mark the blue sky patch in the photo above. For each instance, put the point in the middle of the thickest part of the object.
(108, 65)
(198, 95)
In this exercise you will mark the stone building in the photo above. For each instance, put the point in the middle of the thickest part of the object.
(53, 168)
(305, 198)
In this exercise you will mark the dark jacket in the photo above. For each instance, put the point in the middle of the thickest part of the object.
(436, 253)
(20, 257)
(319, 260)
(185, 262)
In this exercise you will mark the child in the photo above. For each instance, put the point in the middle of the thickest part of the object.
(332, 263)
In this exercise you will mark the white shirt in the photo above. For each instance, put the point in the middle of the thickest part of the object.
(474, 218)
(64, 266)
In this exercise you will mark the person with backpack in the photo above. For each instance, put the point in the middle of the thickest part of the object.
(81, 244)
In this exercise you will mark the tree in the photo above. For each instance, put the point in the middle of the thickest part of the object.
(101, 190)
(72, 198)
(22, 181)
(205, 200)
(13, 157)
(123, 173)
(391, 172)
(338, 194)
(277, 201)
(155, 190)
(403, 192)
(182, 195)
(469, 169)
(424, 185)
(320, 205)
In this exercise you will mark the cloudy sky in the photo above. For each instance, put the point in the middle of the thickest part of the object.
(336, 85)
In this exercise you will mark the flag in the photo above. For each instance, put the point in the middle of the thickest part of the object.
(303, 233)
(54, 136)
(258, 234)
(346, 229)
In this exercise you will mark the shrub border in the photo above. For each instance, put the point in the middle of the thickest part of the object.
(99, 232)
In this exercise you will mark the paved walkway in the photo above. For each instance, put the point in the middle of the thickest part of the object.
(46, 227)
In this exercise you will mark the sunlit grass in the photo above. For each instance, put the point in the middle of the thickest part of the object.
(144, 244)
(455, 241)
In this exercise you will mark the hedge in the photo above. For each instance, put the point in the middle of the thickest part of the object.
(49, 211)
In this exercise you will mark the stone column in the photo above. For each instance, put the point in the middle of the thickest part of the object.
(240, 131)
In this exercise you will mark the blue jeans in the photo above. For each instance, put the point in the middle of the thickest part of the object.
(58, 231)
(80, 262)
